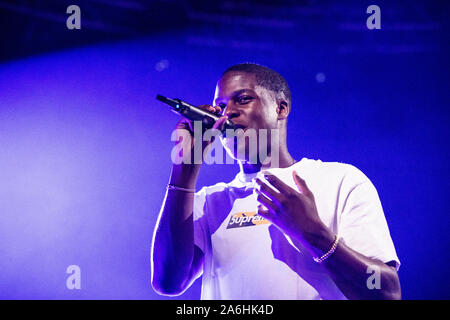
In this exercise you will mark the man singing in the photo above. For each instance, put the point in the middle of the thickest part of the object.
(282, 229)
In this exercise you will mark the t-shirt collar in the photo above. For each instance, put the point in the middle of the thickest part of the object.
(245, 178)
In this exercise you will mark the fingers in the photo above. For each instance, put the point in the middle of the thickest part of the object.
(284, 189)
(264, 212)
(220, 123)
(217, 109)
(301, 184)
(266, 208)
(210, 108)
(277, 183)
(187, 124)
(267, 191)
(267, 202)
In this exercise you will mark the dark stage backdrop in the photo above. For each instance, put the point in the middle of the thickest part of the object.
(85, 150)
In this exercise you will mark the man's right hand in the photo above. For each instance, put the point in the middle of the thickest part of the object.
(176, 260)
(188, 131)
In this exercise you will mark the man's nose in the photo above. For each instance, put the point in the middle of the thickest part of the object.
(231, 111)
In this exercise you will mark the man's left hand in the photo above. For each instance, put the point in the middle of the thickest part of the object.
(293, 212)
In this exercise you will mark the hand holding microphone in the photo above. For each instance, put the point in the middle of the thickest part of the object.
(205, 113)
(208, 115)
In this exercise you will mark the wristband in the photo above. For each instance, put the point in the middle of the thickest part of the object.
(329, 253)
(172, 187)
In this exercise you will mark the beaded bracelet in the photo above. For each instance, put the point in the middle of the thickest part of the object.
(172, 187)
(329, 253)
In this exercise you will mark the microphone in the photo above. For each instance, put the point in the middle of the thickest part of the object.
(194, 113)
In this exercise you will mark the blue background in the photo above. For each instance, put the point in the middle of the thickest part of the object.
(85, 147)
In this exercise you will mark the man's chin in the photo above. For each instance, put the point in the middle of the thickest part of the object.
(241, 150)
(242, 156)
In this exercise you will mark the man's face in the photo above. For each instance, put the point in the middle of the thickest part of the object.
(249, 106)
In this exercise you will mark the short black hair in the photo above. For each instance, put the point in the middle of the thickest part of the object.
(265, 77)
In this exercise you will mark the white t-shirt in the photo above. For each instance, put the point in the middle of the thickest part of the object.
(246, 257)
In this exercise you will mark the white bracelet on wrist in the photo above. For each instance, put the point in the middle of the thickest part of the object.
(172, 187)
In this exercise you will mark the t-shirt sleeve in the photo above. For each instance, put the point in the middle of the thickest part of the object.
(363, 226)
(199, 208)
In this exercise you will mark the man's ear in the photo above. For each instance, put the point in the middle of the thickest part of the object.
(283, 109)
